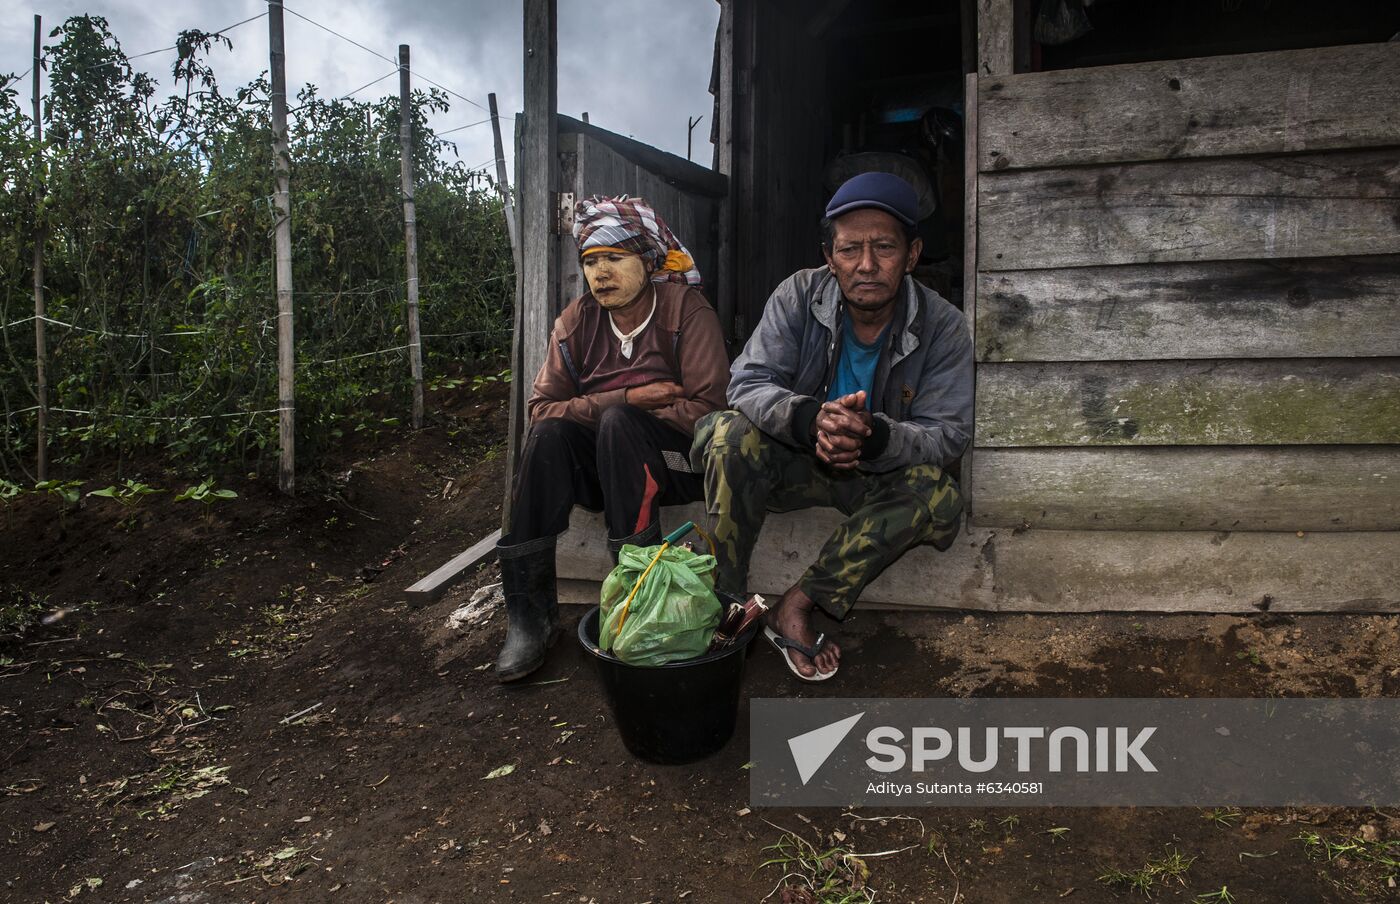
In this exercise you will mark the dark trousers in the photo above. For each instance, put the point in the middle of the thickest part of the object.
(627, 468)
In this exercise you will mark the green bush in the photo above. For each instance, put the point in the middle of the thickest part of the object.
(157, 253)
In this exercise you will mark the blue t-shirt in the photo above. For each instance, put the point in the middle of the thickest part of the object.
(855, 364)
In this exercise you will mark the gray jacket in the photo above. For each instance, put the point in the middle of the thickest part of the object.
(922, 399)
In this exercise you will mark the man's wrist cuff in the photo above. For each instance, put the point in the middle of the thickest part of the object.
(879, 438)
(802, 420)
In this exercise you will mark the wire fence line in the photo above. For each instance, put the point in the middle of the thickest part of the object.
(149, 417)
(416, 73)
(350, 94)
(126, 277)
(43, 58)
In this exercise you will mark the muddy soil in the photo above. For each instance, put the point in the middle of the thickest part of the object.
(240, 706)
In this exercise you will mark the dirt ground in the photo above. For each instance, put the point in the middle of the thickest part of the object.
(242, 707)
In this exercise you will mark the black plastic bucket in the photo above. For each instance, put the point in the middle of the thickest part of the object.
(674, 713)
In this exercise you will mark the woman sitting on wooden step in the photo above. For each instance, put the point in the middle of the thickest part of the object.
(631, 366)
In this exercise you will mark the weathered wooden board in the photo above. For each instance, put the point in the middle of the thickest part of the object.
(1065, 571)
(996, 37)
(434, 585)
(1324, 98)
(1337, 307)
(572, 158)
(1310, 205)
(685, 175)
(1308, 488)
(971, 287)
(1076, 571)
(1185, 403)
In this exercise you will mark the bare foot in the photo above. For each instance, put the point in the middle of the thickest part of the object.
(792, 619)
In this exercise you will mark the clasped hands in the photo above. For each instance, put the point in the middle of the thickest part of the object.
(842, 427)
(652, 396)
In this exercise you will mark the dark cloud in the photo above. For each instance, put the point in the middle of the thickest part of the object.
(638, 68)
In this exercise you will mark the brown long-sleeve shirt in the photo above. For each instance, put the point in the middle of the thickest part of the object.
(585, 372)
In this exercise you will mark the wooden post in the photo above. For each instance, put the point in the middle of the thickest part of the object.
(996, 42)
(410, 237)
(41, 352)
(282, 202)
(970, 262)
(503, 183)
(724, 161)
(516, 419)
(537, 181)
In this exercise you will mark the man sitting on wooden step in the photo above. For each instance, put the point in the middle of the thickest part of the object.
(631, 365)
(855, 391)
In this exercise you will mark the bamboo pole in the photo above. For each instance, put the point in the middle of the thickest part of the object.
(282, 201)
(503, 183)
(517, 421)
(410, 236)
(516, 416)
(41, 353)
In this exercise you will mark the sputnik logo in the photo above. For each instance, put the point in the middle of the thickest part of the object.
(811, 750)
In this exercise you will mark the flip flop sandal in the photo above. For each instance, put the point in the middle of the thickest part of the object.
(783, 645)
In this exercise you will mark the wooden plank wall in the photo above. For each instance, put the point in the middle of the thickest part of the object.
(1188, 295)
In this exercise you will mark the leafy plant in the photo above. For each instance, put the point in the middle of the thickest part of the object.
(206, 494)
(9, 492)
(482, 380)
(128, 494)
(444, 381)
(67, 490)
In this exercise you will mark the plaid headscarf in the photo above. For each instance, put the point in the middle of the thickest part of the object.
(630, 224)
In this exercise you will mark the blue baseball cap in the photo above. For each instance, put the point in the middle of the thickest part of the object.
(882, 191)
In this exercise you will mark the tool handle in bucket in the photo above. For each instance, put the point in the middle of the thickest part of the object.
(679, 532)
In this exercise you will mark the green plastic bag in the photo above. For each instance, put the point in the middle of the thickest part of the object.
(674, 613)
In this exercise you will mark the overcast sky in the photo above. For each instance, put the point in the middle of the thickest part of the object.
(638, 68)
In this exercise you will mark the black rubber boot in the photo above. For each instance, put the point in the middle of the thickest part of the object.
(647, 536)
(532, 605)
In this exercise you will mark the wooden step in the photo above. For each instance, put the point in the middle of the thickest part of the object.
(1060, 570)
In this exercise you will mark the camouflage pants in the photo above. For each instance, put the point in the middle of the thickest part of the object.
(748, 474)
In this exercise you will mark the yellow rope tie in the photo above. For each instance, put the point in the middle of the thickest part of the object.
(622, 617)
(627, 604)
